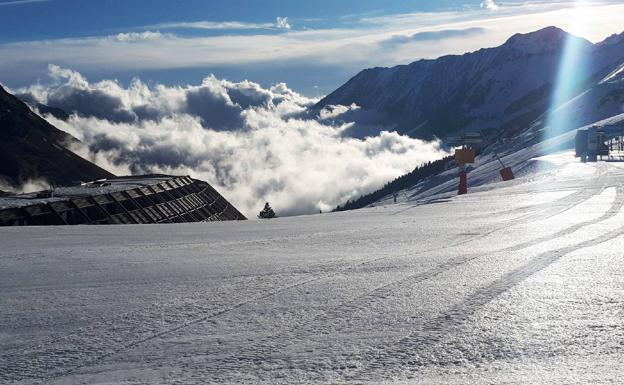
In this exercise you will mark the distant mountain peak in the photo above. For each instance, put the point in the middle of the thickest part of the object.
(613, 39)
(544, 40)
(499, 90)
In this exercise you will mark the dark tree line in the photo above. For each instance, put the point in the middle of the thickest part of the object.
(404, 181)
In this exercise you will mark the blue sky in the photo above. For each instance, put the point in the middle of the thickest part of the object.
(69, 18)
(314, 46)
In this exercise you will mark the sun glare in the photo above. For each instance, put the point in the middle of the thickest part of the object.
(573, 71)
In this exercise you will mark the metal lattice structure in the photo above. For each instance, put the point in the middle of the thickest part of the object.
(124, 200)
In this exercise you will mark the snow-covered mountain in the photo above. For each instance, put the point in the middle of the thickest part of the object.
(500, 90)
(506, 92)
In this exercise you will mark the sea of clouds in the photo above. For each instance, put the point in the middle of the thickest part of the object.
(253, 144)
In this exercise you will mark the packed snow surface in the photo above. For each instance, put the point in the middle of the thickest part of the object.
(514, 283)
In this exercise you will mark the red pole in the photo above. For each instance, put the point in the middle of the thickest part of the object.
(463, 183)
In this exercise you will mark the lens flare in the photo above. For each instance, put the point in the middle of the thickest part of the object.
(573, 72)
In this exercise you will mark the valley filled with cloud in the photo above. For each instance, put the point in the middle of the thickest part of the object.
(253, 144)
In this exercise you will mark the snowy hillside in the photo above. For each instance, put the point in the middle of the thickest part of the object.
(521, 153)
(513, 283)
(497, 90)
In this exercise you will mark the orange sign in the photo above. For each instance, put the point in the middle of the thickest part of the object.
(464, 156)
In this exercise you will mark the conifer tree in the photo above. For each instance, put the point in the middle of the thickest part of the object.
(267, 212)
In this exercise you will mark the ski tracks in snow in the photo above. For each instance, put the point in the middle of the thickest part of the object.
(68, 354)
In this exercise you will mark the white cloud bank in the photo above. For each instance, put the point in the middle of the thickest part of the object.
(253, 144)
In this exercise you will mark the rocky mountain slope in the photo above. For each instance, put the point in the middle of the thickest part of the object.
(498, 90)
(31, 148)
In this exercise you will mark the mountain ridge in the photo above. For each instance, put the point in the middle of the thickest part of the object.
(32, 148)
(497, 90)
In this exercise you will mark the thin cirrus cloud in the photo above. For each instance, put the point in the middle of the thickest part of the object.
(361, 43)
(20, 2)
(431, 36)
(138, 36)
(280, 23)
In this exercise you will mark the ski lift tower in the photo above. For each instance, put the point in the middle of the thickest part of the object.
(466, 147)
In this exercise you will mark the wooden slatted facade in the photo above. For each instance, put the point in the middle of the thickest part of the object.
(154, 199)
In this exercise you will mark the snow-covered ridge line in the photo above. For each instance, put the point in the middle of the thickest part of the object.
(498, 91)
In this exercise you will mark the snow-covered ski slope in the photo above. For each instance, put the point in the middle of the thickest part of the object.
(522, 153)
(514, 283)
